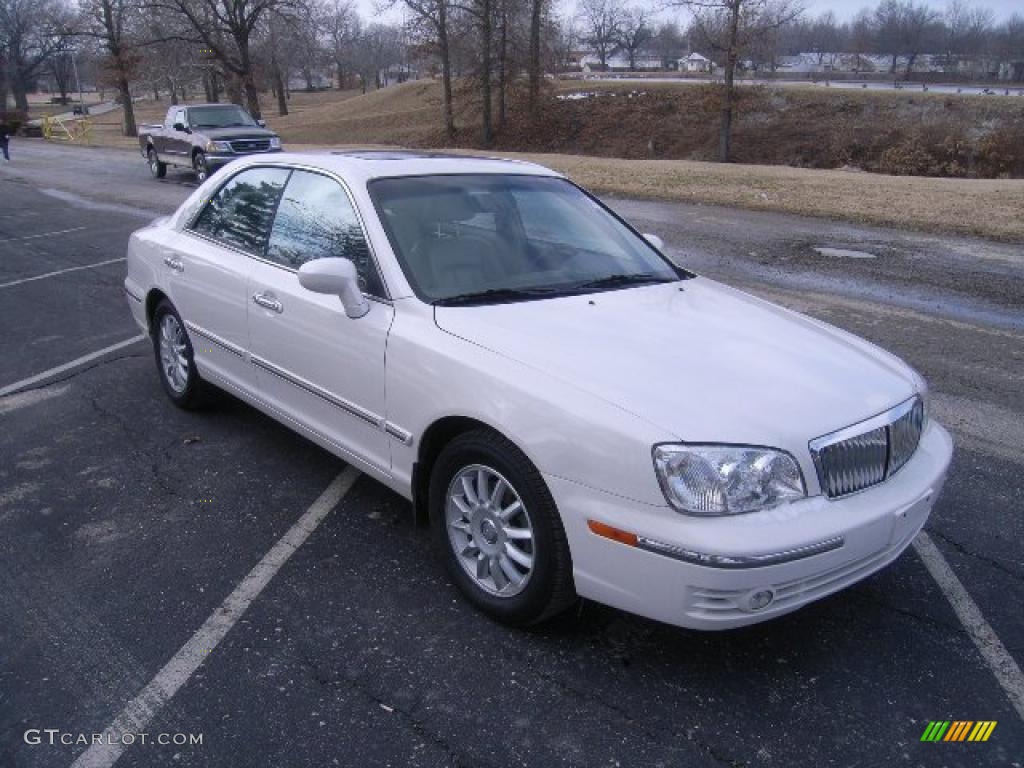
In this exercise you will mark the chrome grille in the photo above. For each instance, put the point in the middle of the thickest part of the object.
(865, 454)
(250, 145)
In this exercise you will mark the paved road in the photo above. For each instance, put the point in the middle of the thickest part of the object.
(124, 523)
(824, 82)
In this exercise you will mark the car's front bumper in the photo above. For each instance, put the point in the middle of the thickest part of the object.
(874, 527)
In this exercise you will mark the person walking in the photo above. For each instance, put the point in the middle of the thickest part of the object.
(5, 138)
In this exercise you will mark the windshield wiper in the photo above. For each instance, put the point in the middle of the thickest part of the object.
(496, 295)
(622, 280)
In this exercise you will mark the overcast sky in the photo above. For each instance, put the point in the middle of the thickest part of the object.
(843, 10)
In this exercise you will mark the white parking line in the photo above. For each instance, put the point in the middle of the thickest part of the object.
(43, 234)
(989, 645)
(60, 272)
(138, 713)
(68, 366)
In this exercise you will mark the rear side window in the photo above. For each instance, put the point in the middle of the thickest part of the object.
(315, 220)
(240, 213)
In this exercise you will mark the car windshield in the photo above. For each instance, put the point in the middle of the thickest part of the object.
(490, 238)
(227, 116)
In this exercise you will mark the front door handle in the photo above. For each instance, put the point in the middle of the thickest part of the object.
(174, 263)
(268, 301)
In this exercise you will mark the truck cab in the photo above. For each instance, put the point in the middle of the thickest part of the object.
(204, 137)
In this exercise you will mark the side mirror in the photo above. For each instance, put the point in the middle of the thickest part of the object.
(337, 277)
(181, 127)
(261, 123)
(654, 240)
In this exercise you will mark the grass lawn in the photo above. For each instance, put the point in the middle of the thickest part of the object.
(408, 115)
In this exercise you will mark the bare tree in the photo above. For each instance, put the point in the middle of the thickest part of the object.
(115, 24)
(602, 24)
(340, 23)
(967, 31)
(534, 66)
(905, 29)
(227, 28)
(733, 27)
(434, 16)
(669, 44)
(634, 33)
(32, 32)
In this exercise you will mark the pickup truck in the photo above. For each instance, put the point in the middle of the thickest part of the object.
(204, 137)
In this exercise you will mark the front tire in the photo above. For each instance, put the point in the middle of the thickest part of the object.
(175, 360)
(498, 530)
(157, 168)
(199, 166)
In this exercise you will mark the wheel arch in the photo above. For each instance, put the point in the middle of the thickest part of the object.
(153, 299)
(434, 439)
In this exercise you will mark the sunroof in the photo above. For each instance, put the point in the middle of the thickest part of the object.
(385, 154)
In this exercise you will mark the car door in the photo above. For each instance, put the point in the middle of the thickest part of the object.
(177, 143)
(208, 266)
(314, 363)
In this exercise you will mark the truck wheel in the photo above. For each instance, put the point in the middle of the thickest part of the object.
(199, 166)
(158, 169)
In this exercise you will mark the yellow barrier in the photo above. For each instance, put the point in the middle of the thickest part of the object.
(78, 129)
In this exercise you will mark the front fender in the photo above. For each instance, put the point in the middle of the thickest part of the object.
(563, 430)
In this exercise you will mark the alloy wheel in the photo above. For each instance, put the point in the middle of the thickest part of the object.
(489, 530)
(173, 356)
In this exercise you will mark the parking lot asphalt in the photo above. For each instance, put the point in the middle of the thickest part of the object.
(125, 523)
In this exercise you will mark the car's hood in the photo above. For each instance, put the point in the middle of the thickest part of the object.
(224, 134)
(703, 361)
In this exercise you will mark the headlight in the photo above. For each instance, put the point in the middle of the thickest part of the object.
(712, 480)
(218, 146)
(275, 143)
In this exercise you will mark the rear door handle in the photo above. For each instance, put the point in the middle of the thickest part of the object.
(174, 263)
(268, 301)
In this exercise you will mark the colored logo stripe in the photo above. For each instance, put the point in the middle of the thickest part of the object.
(958, 730)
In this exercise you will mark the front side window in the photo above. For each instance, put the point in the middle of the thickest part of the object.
(467, 238)
(241, 212)
(315, 220)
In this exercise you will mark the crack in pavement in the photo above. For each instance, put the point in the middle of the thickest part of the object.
(962, 549)
(78, 372)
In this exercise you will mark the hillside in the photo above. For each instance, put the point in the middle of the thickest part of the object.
(898, 133)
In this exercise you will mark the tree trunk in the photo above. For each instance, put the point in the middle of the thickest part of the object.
(502, 68)
(536, 17)
(173, 91)
(446, 68)
(341, 75)
(156, 92)
(487, 134)
(20, 92)
(128, 123)
(282, 101)
(725, 129)
(248, 81)
(207, 90)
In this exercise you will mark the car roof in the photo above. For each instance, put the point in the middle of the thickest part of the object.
(368, 164)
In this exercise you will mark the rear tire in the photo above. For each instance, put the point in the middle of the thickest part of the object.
(504, 547)
(175, 361)
(157, 168)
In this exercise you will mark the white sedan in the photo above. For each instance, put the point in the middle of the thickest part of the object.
(576, 415)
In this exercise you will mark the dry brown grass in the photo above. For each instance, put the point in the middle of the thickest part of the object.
(982, 207)
(408, 115)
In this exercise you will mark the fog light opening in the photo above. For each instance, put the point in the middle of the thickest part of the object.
(759, 600)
